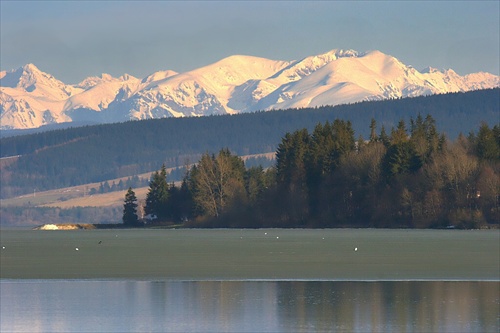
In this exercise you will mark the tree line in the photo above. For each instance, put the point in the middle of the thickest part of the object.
(406, 176)
(94, 154)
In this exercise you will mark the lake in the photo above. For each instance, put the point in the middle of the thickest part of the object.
(248, 306)
(269, 280)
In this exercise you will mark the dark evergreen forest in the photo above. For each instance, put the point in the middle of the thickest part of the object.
(408, 177)
(75, 156)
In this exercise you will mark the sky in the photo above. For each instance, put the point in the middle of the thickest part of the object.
(73, 40)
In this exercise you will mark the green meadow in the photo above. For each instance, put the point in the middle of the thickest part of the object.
(241, 254)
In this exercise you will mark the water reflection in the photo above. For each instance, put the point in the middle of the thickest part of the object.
(245, 306)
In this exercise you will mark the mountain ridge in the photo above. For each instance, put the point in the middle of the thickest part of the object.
(30, 98)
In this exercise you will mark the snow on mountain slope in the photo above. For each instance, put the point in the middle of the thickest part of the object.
(302, 68)
(31, 98)
(249, 95)
(203, 91)
(370, 76)
(29, 79)
(101, 91)
(157, 78)
(217, 82)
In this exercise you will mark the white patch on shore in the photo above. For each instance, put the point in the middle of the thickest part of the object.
(49, 227)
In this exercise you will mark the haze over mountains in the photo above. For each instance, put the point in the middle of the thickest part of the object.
(30, 98)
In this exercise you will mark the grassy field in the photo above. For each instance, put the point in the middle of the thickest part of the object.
(78, 196)
(99, 200)
(75, 196)
(188, 254)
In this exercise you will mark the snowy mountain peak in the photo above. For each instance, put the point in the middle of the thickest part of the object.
(31, 68)
(429, 69)
(159, 76)
(238, 60)
(32, 80)
(238, 69)
(299, 69)
(31, 98)
(103, 78)
(92, 81)
(32, 75)
(23, 77)
(340, 53)
(126, 77)
(106, 77)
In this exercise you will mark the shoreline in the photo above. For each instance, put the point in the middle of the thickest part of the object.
(101, 226)
(106, 226)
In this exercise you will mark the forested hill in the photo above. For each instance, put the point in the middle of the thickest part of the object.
(87, 154)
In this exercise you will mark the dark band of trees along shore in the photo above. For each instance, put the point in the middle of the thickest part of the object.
(408, 176)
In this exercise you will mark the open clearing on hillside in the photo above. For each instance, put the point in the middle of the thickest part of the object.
(99, 200)
(78, 196)
(64, 197)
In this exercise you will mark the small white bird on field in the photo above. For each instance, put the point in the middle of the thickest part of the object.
(355, 249)
(76, 249)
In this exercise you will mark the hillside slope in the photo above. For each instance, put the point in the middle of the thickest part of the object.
(82, 155)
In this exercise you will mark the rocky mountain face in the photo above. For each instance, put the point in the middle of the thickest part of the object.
(30, 98)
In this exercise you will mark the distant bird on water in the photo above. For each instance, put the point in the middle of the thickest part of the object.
(99, 242)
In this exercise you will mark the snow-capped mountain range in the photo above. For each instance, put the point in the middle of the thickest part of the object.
(30, 98)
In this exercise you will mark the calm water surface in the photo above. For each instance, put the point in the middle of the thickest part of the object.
(236, 254)
(272, 280)
(248, 306)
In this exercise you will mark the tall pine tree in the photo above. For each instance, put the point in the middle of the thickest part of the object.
(130, 209)
(157, 197)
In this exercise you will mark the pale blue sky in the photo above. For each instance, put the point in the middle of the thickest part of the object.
(76, 39)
